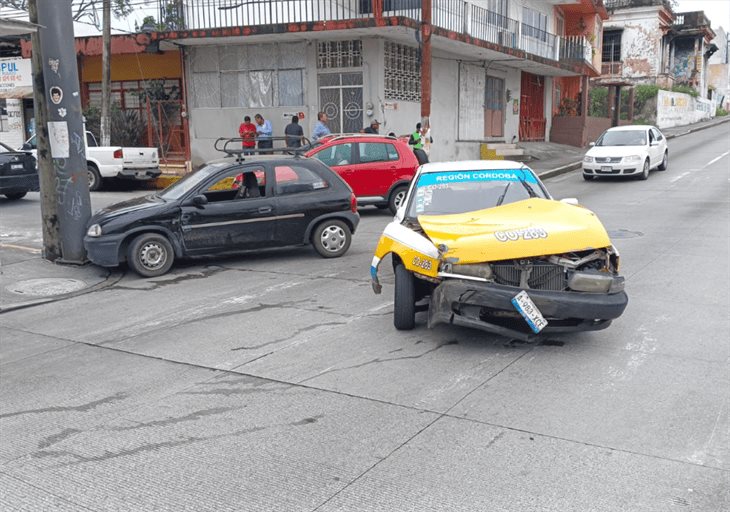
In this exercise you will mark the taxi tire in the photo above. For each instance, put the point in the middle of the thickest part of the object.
(645, 171)
(665, 162)
(404, 306)
(156, 243)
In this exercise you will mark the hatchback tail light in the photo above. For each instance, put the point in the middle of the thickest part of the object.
(118, 153)
(353, 203)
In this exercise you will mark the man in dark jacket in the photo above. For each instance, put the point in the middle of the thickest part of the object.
(294, 133)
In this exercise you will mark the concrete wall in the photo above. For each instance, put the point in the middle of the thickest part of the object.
(678, 109)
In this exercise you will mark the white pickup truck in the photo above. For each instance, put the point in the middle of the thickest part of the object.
(113, 161)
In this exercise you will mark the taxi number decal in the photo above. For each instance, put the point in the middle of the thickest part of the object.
(524, 234)
(421, 263)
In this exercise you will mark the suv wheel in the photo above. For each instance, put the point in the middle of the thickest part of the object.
(397, 198)
(404, 307)
(150, 255)
(331, 238)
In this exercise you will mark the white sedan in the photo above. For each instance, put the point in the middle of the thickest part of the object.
(627, 151)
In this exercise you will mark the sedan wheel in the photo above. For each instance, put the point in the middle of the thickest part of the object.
(332, 238)
(150, 255)
(665, 162)
(645, 171)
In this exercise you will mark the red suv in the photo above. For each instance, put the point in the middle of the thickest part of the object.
(377, 167)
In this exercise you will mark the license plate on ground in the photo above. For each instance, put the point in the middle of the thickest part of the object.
(16, 166)
(529, 311)
(606, 168)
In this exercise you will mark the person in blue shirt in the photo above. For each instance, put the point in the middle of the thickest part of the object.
(320, 129)
(263, 132)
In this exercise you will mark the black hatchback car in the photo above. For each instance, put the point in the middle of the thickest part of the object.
(18, 172)
(226, 207)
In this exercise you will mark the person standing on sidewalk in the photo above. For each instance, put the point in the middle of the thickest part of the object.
(294, 133)
(416, 139)
(320, 128)
(264, 133)
(247, 131)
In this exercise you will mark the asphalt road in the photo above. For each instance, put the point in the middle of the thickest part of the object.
(276, 381)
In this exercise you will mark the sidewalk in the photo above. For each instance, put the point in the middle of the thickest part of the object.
(26, 279)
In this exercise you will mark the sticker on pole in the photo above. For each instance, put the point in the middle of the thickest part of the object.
(529, 311)
(58, 136)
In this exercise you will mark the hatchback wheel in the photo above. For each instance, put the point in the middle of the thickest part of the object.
(397, 198)
(645, 171)
(404, 306)
(150, 255)
(332, 238)
(665, 162)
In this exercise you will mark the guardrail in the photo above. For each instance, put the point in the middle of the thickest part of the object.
(458, 16)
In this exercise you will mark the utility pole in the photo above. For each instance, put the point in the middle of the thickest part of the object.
(425, 62)
(106, 76)
(65, 206)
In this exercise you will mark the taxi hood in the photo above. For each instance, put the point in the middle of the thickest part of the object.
(529, 228)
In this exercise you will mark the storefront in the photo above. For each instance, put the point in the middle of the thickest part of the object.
(16, 101)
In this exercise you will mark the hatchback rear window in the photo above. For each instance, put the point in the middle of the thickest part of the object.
(295, 179)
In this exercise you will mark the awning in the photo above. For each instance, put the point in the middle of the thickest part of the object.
(9, 27)
(17, 93)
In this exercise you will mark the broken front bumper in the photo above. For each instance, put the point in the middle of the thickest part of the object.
(467, 303)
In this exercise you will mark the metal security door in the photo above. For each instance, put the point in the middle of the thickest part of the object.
(494, 107)
(340, 97)
(532, 107)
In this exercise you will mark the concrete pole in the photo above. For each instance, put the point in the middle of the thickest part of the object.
(106, 80)
(425, 62)
(61, 150)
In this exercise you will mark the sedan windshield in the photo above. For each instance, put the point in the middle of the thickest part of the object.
(443, 193)
(189, 182)
(623, 138)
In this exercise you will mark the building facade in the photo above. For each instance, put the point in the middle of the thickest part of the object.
(499, 69)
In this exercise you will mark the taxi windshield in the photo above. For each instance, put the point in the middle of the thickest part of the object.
(450, 192)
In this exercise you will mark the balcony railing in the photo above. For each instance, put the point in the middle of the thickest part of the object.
(611, 68)
(458, 16)
(576, 48)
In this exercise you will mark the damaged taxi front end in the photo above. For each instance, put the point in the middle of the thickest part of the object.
(487, 247)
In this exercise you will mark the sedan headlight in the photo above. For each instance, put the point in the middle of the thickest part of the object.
(94, 230)
(595, 282)
(632, 158)
(588, 159)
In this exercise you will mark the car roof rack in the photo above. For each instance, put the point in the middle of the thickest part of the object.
(233, 146)
(338, 136)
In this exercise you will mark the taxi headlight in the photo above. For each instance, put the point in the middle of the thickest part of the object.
(94, 230)
(588, 159)
(632, 158)
(595, 282)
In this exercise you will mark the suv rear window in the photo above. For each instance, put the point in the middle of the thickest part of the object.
(376, 152)
(337, 154)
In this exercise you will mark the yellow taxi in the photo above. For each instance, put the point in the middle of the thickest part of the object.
(483, 244)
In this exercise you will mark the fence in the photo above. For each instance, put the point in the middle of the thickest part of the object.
(456, 15)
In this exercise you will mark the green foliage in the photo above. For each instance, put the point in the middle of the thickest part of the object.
(686, 89)
(598, 102)
(720, 112)
(171, 19)
(644, 92)
(127, 129)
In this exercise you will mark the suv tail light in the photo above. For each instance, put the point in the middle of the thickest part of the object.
(118, 153)
(353, 203)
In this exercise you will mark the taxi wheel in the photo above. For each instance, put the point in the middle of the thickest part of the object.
(665, 162)
(397, 199)
(645, 171)
(94, 177)
(332, 238)
(404, 307)
(150, 255)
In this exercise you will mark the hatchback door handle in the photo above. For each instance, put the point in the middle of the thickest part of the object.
(265, 209)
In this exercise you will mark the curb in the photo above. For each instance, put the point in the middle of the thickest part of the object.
(557, 171)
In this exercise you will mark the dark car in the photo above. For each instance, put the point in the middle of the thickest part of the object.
(18, 172)
(228, 206)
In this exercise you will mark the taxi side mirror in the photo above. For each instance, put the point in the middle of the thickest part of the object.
(400, 214)
(591, 144)
(570, 200)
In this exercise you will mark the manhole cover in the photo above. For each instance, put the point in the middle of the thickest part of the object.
(624, 233)
(46, 287)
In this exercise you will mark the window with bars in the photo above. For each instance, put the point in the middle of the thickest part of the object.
(611, 51)
(126, 94)
(402, 72)
(339, 54)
